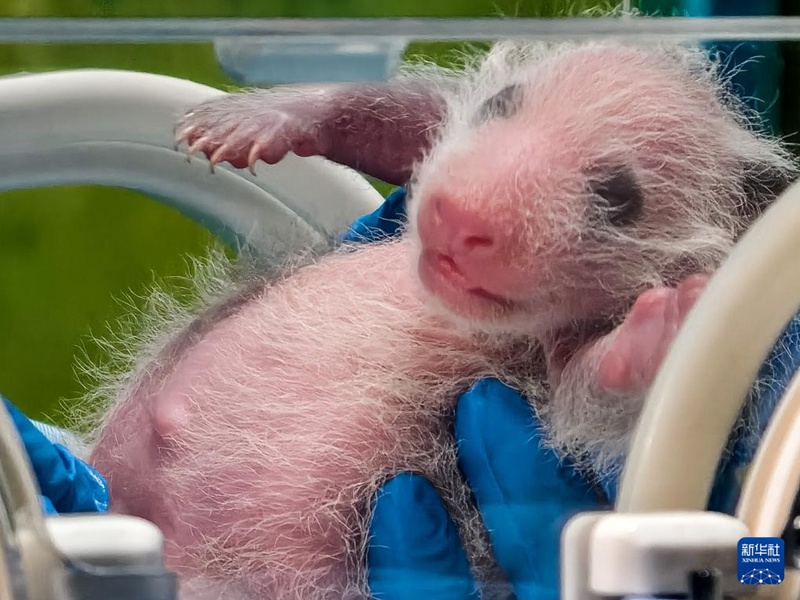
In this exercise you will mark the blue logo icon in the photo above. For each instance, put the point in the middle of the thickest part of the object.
(761, 561)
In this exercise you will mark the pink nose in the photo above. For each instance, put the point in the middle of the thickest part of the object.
(461, 231)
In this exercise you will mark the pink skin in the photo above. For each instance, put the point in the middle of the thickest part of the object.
(381, 130)
(245, 389)
(459, 251)
(461, 262)
(634, 352)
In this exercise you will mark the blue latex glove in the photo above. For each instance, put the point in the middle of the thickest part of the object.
(385, 221)
(524, 493)
(67, 484)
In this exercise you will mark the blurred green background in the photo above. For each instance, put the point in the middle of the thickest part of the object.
(67, 254)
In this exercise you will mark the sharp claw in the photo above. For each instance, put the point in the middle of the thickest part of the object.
(200, 142)
(182, 134)
(195, 149)
(252, 157)
(216, 156)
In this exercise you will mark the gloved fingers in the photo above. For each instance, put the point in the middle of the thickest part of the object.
(524, 492)
(67, 482)
(386, 221)
(88, 491)
(414, 549)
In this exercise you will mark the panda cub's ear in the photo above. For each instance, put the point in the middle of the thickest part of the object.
(762, 184)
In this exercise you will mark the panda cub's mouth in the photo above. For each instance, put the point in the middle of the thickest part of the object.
(442, 276)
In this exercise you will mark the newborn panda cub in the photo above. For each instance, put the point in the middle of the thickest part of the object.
(566, 207)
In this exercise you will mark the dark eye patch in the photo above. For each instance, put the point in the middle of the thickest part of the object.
(620, 196)
(502, 105)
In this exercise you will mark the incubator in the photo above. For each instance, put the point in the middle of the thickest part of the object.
(114, 128)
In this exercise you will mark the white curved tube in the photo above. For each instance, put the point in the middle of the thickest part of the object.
(769, 492)
(700, 389)
(255, 216)
(771, 486)
(40, 112)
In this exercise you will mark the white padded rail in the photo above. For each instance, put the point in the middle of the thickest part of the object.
(230, 206)
(115, 128)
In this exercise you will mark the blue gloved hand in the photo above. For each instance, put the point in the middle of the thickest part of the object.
(67, 484)
(525, 494)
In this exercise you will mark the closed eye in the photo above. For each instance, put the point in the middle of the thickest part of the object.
(502, 105)
(618, 195)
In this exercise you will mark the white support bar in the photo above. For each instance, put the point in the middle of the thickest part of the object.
(576, 543)
(107, 540)
(654, 553)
